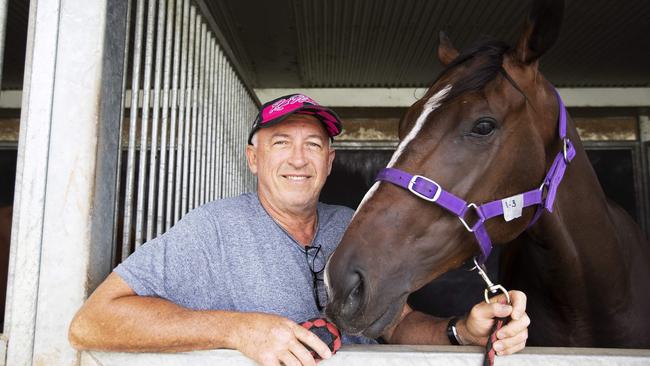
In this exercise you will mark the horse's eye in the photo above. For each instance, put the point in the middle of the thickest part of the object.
(484, 127)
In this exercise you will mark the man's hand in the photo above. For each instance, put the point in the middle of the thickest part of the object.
(271, 340)
(511, 338)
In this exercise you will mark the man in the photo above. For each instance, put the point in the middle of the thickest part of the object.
(241, 273)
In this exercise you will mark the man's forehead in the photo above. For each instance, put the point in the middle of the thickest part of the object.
(297, 121)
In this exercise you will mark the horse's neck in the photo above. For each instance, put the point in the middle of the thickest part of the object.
(582, 239)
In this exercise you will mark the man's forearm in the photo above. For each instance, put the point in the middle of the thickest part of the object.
(420, 328)
(139, 324)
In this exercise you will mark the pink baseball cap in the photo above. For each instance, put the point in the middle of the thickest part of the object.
(278, 109)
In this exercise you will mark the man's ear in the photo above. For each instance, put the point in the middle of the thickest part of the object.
(251, 158)
(331, 156)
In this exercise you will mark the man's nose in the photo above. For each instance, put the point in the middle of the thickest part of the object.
(298, 157)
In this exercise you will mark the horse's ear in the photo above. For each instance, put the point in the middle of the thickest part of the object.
(446, 50)
(541, 30)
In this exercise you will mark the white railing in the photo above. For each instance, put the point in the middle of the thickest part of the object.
(385, 355)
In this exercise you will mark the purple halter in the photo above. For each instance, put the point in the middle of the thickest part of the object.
(429, 190)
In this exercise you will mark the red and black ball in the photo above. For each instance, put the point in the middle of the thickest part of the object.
(326, 331)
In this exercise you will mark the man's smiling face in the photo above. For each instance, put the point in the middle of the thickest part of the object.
(291, 159)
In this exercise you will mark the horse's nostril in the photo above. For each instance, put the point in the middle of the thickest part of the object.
(355, 297)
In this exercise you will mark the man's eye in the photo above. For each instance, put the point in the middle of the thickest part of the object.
(314, 145)
(280, 142)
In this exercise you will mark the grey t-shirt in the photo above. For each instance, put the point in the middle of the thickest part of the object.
(231, 255)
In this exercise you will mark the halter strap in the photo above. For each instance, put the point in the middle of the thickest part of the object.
(429, 190)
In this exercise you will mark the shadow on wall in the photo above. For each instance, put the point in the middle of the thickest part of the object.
(7, 183)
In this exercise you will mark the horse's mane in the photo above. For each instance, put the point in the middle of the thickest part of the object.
(491, 53)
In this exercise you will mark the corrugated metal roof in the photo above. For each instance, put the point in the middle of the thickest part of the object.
(391, 43)
(388, 43)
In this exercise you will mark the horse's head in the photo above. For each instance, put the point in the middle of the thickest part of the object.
(485, 130)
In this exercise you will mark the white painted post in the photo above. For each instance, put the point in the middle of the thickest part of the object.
(61, 238)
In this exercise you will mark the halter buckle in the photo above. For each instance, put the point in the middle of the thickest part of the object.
(435, 195)
(478, 222)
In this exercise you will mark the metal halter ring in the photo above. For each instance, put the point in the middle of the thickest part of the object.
(494, 289)
(490, 288)
(478, 222)
(565, 147)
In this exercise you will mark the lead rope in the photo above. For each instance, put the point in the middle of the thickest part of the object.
(491, 288)
(488, 360)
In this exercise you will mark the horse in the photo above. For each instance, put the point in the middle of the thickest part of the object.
(489, 128)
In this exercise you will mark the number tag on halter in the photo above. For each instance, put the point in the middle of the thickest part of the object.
(512, 206)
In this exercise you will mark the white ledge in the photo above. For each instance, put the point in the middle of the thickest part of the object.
(404, 97)
(380, 355)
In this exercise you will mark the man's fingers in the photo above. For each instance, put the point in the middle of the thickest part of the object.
(310, 339)
(499, 308)
(518, 301)
(491, 310)
(288, 359)
(302, 354)
(514, 327)
(510, 342)
(511, 349)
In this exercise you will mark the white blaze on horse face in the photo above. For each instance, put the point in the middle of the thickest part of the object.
(429, 106)
(369, 194)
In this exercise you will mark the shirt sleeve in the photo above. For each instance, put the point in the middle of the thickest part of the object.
(169, 265)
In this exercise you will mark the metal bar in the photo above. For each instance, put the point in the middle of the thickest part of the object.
(144, 127)
(206, 111)
(229, 107)
(238, 160)
(188, 110)
(133, 123)
(3, 27)
(118, 180)
(240, 70)
(173, 145)
(200, 156)
(233, 135)
(241, 138)
(208, 176)
(155, 120)
(195, 101)
(215, 121)
(202, 118)
(250, 179)
(226, 132)
(181, 109)
(218, 140)
(216, 181)
(221, 141)
(166, 166)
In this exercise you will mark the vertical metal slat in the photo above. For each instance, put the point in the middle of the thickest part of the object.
(144, 127)
(155, 120)
(181, 113)
(188, 111)
(168, 122)
(210, 124)
(133, 124)
(200, 156)
(118, 181)
(195, 101)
